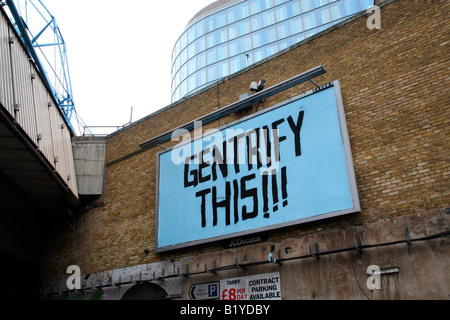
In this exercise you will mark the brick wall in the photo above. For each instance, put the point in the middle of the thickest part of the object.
(395, 87)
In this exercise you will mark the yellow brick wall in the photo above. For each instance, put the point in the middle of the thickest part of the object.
(395, 87)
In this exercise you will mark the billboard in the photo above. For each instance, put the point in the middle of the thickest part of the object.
(282, 166)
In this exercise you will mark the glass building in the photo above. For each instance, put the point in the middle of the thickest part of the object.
(230, 35)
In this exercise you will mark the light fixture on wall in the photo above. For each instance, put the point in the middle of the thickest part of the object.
(257, 86)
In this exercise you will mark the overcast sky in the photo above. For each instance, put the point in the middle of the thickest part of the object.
(119, 54)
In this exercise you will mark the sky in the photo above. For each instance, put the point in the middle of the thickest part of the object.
(119, 54)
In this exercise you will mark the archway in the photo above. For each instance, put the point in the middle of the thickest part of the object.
(145, 291)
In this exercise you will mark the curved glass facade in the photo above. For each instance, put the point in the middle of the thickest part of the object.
(236, 34)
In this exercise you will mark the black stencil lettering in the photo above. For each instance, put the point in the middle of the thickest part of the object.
(296, 127)
(247, 194)
(266, 134)
(252, 148)
(202, 166)
(277, 139)
(265, 181)
(224, 203)
(258, 144)
(284, 192)
(235, 201)
(203, 194)
(219, 160)
(235, 151)
(188, 173)
(275, 191)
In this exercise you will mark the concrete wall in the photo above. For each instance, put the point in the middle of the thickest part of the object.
(395, 91)
(89, 156)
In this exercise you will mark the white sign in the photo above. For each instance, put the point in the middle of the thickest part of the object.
(204, 291)
(259, 287)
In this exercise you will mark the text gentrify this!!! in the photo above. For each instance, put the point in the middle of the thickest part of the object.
(277, 167)
(254, 152)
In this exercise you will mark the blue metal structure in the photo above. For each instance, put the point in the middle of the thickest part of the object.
(42, 38)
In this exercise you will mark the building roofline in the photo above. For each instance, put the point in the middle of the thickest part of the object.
(211, 9)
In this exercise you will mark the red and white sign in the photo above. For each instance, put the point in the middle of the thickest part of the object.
(259, 287)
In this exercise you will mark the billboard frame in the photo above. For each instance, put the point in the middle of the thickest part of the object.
(349, 166)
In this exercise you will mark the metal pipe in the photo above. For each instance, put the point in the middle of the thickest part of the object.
(239, 105)
(323, 253)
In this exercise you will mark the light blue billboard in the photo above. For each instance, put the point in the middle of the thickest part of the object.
(283, 166)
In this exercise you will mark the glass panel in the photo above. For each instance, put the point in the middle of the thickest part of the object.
(192, 66)
(319, 3)
(324, 15)
(296, 8)
(211, 73)
(223, 69)
(245, 27)
(280, 13)
(296, 25)
(176, 80)
(282, 30)
(298, 38)
(309, 21)
(243, 10)
(222, 52)
(183, 41)
(351, 6)
(183, 56)
(177, 95)
(209, 24)
(310, 33)
(201, 60)
(177, 63)
(366, 4)
(306, 5)
(233, 31)
(269, 18)
(231, 15)
(258, 55)
(183, 88)
(183, 72)
(254, 6)
(192, 50)
(210, 40)
(191, 34)
(284, 44)
(222, 36)
(201, 44)
(211, 56)
(246, 43)
(235, 64)
(200, 28)
(201, 77)
(233, 48)
(272, 49)
(178, 48)
(337, 11)
(271, 34)
(267, 4)
(221, 19)
(192, 82)
(257, 39)
(255, 23)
